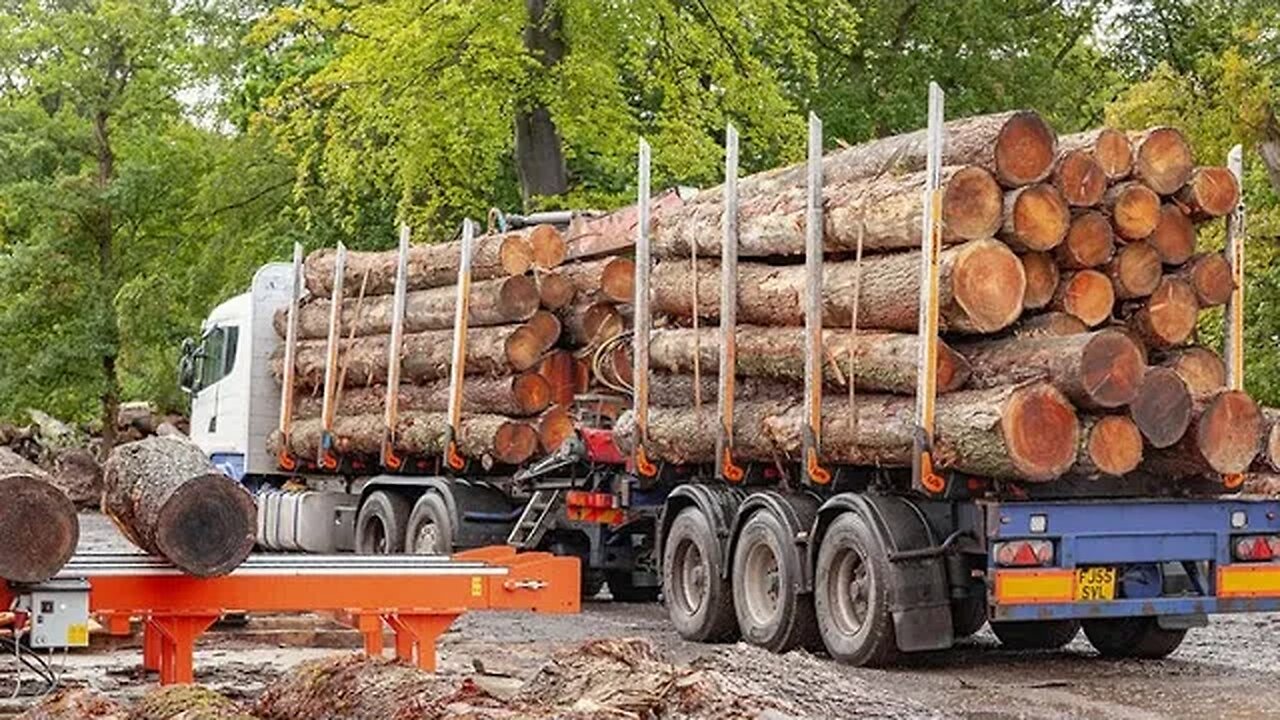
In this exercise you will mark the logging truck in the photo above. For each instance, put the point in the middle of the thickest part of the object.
(1088, 478)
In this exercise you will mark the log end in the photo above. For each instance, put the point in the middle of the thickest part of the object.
(1042, 279)
(1136, 270)
(547, 327)
(1164, 160)
(518, 297)
(1229, 432)
(554, 292)
(1080, 178)
(1202, 369)
(1213, 191)
(532, 393)
(208, 526)
(1162, 408)
(515, 254)
(39, 529)
(988, 283)
(1211, 280)
(1040, 217)
(523, 347)
(601, 321)
(514, 442)
(1174, 237)
(1135, 211)
(1111, 368)
(554, 427)
(972, 204)
(1025, 150)
(549, 246)
(1041, 431)
(618, 280)
(1089, 296)
(1114, 445)
(1114, 152)
(1169, 318)
(953, 369)
(1090, 241)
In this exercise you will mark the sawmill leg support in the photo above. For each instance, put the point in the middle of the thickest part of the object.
(370, 627)
(176, 636)
(117, 624)
(150, 647)
(419, 633)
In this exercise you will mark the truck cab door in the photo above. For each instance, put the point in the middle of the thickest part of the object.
(219, 401)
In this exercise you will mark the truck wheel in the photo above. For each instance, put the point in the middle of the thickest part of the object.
(771, 614)
(380, 524)
(1035, 634)
(850, 595)
(968, 616)
(429, 531)
(592, 582)
(1132, 637)
(699, 600)
(623, 588)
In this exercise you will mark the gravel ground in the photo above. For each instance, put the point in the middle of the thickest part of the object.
(1229, 669)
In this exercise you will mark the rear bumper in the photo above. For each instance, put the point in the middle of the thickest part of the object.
(1191, 533)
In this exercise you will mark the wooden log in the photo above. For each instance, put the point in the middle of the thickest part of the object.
(1090, 242)
(1201, 368)
(547, 327)
(1110, 148)
(1167, 318)
(1085, 294)
(1134, 210)
(593, 235)
(1109, 445)
(981, 290)
(436, 265)
(554, 291)
(492, 302)
(38, 525)
(1162, 159)
(186, 702)
(554, 427)
(549, 246)
(1175, 235)
(170, 500)
(1027, 432)
(77, 704)
(426, 356)
(1135, 270)
(1209, 276)
(1036, 217)
(885, 362)
(352, 686)
(1162, 409)
(1211, 192)
(563, 375)
(1042, 279)
(1050, 323)
(1269, 458)
(1079, 178)
(676, 390)
(487, 438)
(522, 395)
(1097, 370)
(588, 324)
(1224, 437)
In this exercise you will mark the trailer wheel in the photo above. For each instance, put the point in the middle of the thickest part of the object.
(1132, 637)
(771, 614)
(429, 531)
(1035, 634)
(623, 588)
(968, 616)
(380, 524)
(850, 594)
(699, 599)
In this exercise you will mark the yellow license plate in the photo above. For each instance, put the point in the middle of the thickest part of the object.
(1096, 583)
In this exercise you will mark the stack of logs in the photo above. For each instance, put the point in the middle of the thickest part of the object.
(1071, 284)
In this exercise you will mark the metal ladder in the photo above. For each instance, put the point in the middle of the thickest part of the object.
(532, 524)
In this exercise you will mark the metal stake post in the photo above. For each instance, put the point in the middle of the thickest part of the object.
(390, 459)
(922, 472)
(725, 466)
(452, 457)
(1235, 256)
(812, 470)
(643, 320)
(285, 458)
(327, 458)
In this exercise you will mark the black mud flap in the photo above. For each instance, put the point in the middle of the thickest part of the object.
(923, 628)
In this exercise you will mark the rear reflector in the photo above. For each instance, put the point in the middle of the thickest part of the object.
(1016, 587)
(1024, 553)
(1257, 548)
(1249, 581)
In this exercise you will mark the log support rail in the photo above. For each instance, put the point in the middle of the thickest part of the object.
(327, 457)
(285, 458)
(457, 367)
(390, 458)
(922, 472)
(1234, 335)
(811, 431)
(643, 320)
(418, 597)
(725, 466)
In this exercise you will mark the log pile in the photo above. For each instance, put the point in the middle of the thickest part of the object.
(1071, 285)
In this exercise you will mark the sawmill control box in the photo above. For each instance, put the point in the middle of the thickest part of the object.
(59, 611)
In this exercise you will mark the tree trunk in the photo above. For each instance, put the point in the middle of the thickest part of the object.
(1209, 275)
(610, 278)
(1110, 148)
(1175, 235)
(491, 302)
(1036, 217)
(102, 228)
(1098, 370)
(429, 266)
(1110, 445)
(1042, 279)
(1134, 209)
(1211, 192)
(549, 247)
(38, 525)
(981, 290)
(883, 362)
(1090, 242)
(554, 291)
(1080, 178)
(1134, 271)
(594, 235)
(487, 438)
(1027, 432)
(1162, 159)
(539, 156)
(517, 396)
(554, 427)
(1201, 368)
(1162, 409)
(561, 371)
(677, 390)
(1167, 318)
(1224, 437)
(1086, 295)
(1050, 323)
(546, 326)
(170, 500)
(590, 323)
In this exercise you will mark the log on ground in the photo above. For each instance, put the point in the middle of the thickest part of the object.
(1036, 217)
(1080, 178)
(39, 529)
(1224, 437)
(1134, 209)
(170, 500)
(1200, 368)
(488, 438)
(1167, 318)
(518, 396)
(1211, 192)
(677, 390)
(1042, 279)
(1049, 323)
(609, 278)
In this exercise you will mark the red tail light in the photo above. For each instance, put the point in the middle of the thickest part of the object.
(1257, 548)
(1024, 553)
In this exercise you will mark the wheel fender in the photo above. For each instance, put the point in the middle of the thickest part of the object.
(418, 485)
(919, 595)
(719, 504)
(797, 514)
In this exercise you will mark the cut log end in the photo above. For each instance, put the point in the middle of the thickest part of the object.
(1164, 160)
(547, 327)
(1114, 445)
(988, 283)
(1112, 368)
(1169, 317)
(532, 393)
(38, 528)
(1025, 150)
(1210, 278)
(972, 204)
(1042, 279)
(1087, 295)
(518, 297)
(1080, 178)
(1041, 431)
(1090, 242)
(1039, 217)
(1201, 368)
(1211, 192)
(514, 442)
(549, 247)
(1135, 271)
(953, 369)
(515, 254)
(523, 347)
(1162, 409)
(1135, 210)
(1174, 237)
(554, 292)
(205, 527)
(1229, 432)
(1114, 153)
(554, 427)
(1272, 447)
(618, 281)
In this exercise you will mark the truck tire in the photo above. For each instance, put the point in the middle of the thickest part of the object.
(429, 530)
(968, 616)
(771, 614)
(1035, 634)
(1132, 637)
(623, 588)
(850, 594)
(381, 523)
(699, 599)
(592, 582)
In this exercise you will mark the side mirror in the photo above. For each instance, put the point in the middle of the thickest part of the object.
(187, 367)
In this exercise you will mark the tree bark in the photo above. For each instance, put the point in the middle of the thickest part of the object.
(554, 427)
(540, 162)
(1167, 318)
(1134, 271)
(38, 525)
(1201, 368)
(1162, 159)
(1110, 148)
(554, 291)
(1209, 275)
(883, 362)
(487, 438)
(491, 302)
(1175, 235)
(1162, 409)
(1042, 279)
(77, 704)
(1036, 217)
(588, 323)
(1110, 445)
(1080, 178)
(350, 687)
(1086, 295)
(981, 290)
(1224, 437)
(608, 278)
(1049, 323)
(1097, 370)
(429, 266)
(1134, 210)
(1211, 192)
(521, 395)
(1269, 459)
(1090, 242)
(677, 390)
(170, 500)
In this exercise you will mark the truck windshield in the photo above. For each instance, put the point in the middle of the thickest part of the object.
(217, 354)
